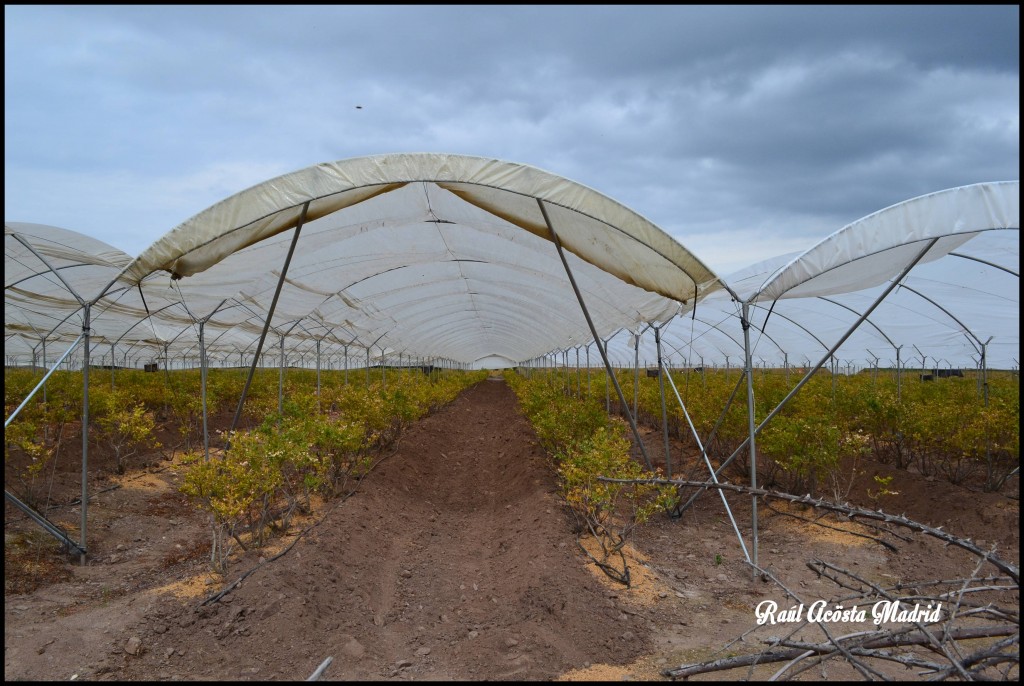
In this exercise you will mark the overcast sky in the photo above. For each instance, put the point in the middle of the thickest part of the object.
(744, 131)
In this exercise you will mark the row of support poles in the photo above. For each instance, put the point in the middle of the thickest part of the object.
(86, 307)
(593, 331)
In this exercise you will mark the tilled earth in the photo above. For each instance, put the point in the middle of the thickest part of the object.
(453, 560)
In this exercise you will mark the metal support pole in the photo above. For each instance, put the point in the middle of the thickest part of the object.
(834, 370)
(899, 377)
(664, 411)
(828, 354)
(565, 368)
(593, 331)
(112, 366)
(44, 367)
(202, 380)
(984, 385)
(636, 374)
(266, 326)
(607, 386)
(87, 310)
(367, 366)
(711, 470)
(346, 365)
(579, 380)
(588, 370)
(42, 383)
(750, 427)
(318, 375)
(280, 385)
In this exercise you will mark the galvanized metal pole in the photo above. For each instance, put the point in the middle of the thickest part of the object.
(87, 309)
(834, 370)
(266, 326)
(849, 332)
(607, 386)
(664, 411)
(588, 370)
(565, 368)
(202, 379)
(899, 377)
(44, 367)
(43, 382)
(711, 470)
(280, 383)
(750, 428)
(579, 380)
(636, 374)
(593, 331)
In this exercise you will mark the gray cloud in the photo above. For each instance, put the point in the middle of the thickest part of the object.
(786, 121)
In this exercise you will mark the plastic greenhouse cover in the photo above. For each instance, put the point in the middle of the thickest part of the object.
(445, 256)
(946, 308)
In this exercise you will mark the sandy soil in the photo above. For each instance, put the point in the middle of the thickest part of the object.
(453, 560)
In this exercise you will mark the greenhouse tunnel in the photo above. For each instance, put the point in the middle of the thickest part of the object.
(470, 262)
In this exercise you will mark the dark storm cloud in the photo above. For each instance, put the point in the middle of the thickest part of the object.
(707, 120)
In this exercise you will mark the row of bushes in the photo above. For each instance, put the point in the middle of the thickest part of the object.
(314, 445)
(944, 428)
(585, 443)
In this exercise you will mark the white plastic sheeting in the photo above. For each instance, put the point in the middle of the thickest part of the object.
(942, 311)
(874, 249)
(431, 256)
(445, 256)
(441, 256)
(589, 224)
(49, 273)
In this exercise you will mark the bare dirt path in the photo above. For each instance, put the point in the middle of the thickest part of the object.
(454, 560)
